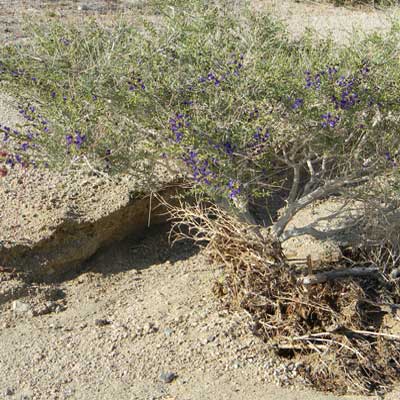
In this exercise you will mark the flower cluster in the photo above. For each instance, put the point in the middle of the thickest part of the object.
(65, 41)
(37, 120)
(329, 120)
(297, 104)
(136, 84)
(253, 115)
(201, 171)
(234, 188)
(392, 159)
(78, 140)
(177, 124)
(261, 135)
(315, 81)
(234, 69)
(348, 98)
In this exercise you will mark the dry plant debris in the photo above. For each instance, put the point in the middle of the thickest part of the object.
(338, 328)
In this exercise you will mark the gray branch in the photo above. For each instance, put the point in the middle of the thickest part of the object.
(329, 188)
(332, 275)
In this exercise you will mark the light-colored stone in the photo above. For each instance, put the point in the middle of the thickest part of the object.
(20, 307)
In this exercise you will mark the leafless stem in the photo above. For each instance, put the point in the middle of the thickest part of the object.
(295, 185)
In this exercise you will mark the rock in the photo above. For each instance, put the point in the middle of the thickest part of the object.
(168, 332)
(168, 377)
(102, 322)
(83, 7)
(9, 392)
(149, 327)
(20, 307)
(211, 338)
(236, 364)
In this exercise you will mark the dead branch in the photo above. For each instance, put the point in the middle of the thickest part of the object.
(319, 193)
(337, 274)
(295, 185)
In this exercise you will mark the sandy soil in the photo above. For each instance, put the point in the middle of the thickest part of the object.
(138, 310)
(325, 19)
(140, 320)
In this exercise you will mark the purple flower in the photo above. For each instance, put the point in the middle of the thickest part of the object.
(229, 149)
(65, 41)
(297, 104)
(331, 72)
(234, 187)
(69, 139)
(79, 139)
(24, 146)
(178, 137)
(329, 120)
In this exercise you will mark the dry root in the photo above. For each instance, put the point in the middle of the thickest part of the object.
(340, 328)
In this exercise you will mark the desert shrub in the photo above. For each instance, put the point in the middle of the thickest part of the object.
(220, 91)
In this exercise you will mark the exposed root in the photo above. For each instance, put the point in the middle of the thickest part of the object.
(338, 327)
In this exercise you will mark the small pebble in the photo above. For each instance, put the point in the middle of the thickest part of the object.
(102, 322)
(168, 332)
(236, 364)
(83, 7)
(167, 377)
(20, 307)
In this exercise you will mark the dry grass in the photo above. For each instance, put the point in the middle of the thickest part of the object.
(338, 328)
